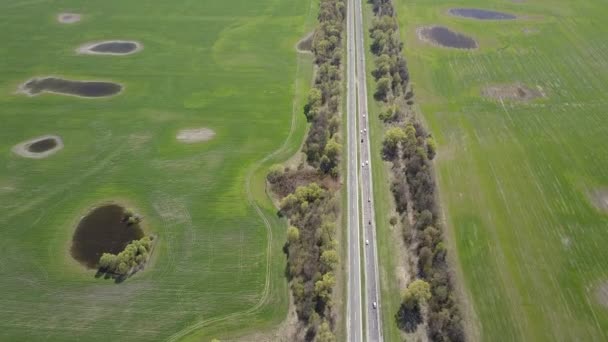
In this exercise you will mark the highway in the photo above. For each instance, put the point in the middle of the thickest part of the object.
(354, 320)
(361, 220)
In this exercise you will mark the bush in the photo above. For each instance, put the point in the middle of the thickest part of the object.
(135, 254)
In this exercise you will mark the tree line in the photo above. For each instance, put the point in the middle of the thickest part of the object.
(411, 149)
(308, 193)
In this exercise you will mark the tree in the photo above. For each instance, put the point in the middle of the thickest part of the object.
(417, 292)
(329, 258)
(393, 221)
(333, 149)
(293, 234)
(424, 219)
(324, 334)
(410, 141)
(383, 87)
(383, 66)
(135, 253)
(275, 172)
(431, 147)
(393, 137)
(107, 261)
(122, 268)
(314, 101)
(425, 257)
(325, 164)
(324, 286)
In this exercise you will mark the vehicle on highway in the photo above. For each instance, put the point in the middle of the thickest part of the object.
(367, 162)
(375, 305)
(367, 242)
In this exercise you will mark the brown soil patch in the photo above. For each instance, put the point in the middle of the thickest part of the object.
(601, 294)
(39, 147)
(305, 44)
(195, 135)
(599, 198)
(516, 92)
(68, 18)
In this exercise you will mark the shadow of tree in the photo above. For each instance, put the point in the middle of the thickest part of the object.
(407, 319)
(118, 278)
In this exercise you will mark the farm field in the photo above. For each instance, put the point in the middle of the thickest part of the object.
(516, 175)
(217, 267)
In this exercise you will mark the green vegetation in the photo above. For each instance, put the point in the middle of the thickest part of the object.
(133, 256)
(313, 210)
(217, 268)
(417, 293)
(413, 187)
(131, 217)
(515, 175)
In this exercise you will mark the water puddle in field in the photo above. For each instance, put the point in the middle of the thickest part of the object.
(475, 13)
(443, 36)
(110, 47)
(62, 86)
(40, 147)
(103, 230)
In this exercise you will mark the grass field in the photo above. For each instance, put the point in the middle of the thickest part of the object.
(218, 266)
(514, 176)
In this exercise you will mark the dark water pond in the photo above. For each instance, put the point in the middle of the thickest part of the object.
(445, 37)
(42, 145)
(481, 14)
(103, 230)
(115, 47)
(70, 87)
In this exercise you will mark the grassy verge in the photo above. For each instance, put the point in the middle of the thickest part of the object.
(383, 205)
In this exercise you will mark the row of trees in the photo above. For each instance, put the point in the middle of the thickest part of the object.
(322, 145)
(411, 150)
(308, 193)
(311, 252)
(134, 255)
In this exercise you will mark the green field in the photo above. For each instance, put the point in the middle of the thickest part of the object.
(217, 269)
(514, 176)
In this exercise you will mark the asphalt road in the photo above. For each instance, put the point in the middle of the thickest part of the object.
(354, 320)
(361, 233)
